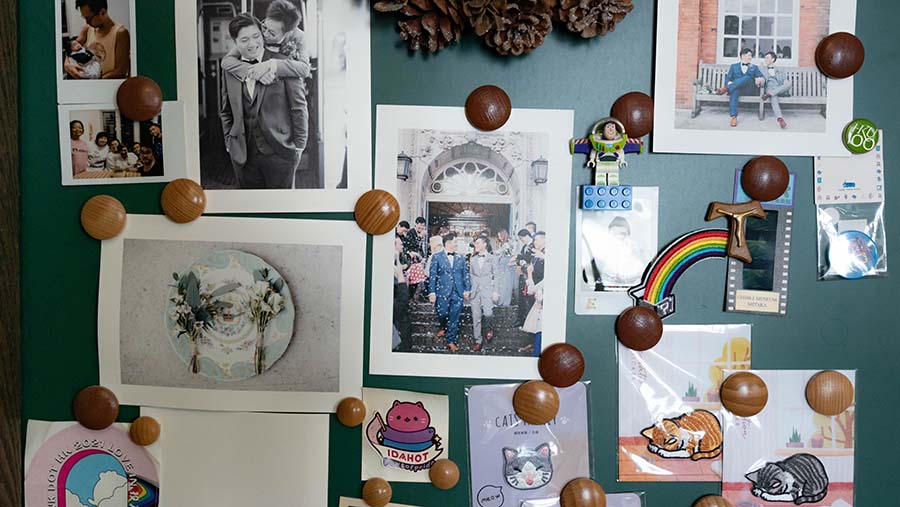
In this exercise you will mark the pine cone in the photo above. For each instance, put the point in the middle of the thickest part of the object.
(426, 24)
(485, 15)
(524, 26)
(590, 18)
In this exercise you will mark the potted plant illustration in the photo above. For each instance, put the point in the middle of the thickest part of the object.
(796, 441)
(691, 394)
(712, 394)
(817, 440)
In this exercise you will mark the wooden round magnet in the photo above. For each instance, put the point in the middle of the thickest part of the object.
(744, 394)
(351, 412)
(103, 217)
(536, 402)
(488, 107)
(829, 392)
(95, 407)
(635, 111)
(840, 55)
(377, 212)
(561, 365)
(377, 492)
(712, 501)
(765, 178)
(582, 492)
(183, 200)
(444, 474)
(144, 430)
(639, 328)
(139, 98)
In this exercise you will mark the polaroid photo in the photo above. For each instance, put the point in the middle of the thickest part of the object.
(789, 454)
(614, 249)
(68, 464)
(100, 146)
(358, 502)
(232, 313)
(304, 143)
(740, 77)
(238, 459)
(96, 49)
(473, 281)
(761, 286)
(405, 432)
(612, 500)
(512, 462)
(671, 390)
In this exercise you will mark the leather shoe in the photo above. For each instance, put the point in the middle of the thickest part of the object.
(453, 347)
(782, 123)
(733, 121)
(722, 91)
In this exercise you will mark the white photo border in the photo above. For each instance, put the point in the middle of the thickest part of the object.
(359, 122)
(247, 230)
(558, 126)
(173, 145)
(668, 139)
(90, 91)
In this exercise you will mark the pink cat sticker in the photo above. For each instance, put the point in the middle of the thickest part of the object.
(406, 439)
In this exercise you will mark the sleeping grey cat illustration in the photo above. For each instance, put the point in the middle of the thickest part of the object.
(800, 479)
(526, 468)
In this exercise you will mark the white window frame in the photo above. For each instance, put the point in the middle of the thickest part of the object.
(720, 35)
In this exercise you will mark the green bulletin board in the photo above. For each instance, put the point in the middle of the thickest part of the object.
(829, 324)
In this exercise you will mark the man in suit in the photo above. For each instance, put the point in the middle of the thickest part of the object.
(743, 78)
(264, 124)
(449, 287)
(777, 85)
(484, 274)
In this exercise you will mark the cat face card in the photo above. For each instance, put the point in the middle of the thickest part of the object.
(511, 461)
(404, 433)
(788, 454)
(668, 401)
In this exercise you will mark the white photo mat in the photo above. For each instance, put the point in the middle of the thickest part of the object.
(668, 139)
(558, 126)
(355, 15)
(345, 234)
(174, 149)
(91, 91)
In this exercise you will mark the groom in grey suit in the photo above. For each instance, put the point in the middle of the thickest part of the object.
(484, 273)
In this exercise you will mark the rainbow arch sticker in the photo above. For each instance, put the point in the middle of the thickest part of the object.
(662, 275)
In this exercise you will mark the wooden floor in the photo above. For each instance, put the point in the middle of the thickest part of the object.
(10, 382)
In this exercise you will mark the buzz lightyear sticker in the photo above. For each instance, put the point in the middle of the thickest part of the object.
(405, 434)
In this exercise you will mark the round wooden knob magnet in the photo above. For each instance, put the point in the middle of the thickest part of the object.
(536, 402)
(840, 55)
(183, 200)
(635, 111)
(444, 474)
(765, 178)
(744, 394)
(139, 98)
(829, 392)
(488, 107)
(561, 365)
(377, 492)
(144, 430)
(639, 328)
(712, 501)
(377, 212)
(582, 492)
(95, 407)
(351, 412)
(103, 217)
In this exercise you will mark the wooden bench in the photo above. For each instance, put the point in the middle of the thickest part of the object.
(808, 87)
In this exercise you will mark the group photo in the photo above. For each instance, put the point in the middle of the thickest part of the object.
(263, 75)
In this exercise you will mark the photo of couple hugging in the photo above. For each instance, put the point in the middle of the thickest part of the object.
(747, 78)
(498, 279)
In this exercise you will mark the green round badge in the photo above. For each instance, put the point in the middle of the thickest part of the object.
(860, 136)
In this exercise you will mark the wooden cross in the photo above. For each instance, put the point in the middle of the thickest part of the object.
(737, 225)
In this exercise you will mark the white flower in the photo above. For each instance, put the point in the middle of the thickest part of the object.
(261, 287)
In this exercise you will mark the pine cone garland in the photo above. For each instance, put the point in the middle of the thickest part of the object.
(590, 18)
(430, 25)
(524, 26)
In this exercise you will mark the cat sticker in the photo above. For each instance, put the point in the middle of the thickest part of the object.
(525, 468)
(799, 479)
(696, 435)
(405, 438)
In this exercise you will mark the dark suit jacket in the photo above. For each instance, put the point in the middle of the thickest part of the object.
(446, 282)
(735, 72)
(282, 116)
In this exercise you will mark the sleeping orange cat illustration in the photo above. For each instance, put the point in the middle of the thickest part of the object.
(696, 435)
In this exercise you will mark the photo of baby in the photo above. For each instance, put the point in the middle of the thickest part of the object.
(96, 39)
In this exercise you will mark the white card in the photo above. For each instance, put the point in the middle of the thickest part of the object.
(853, 179)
